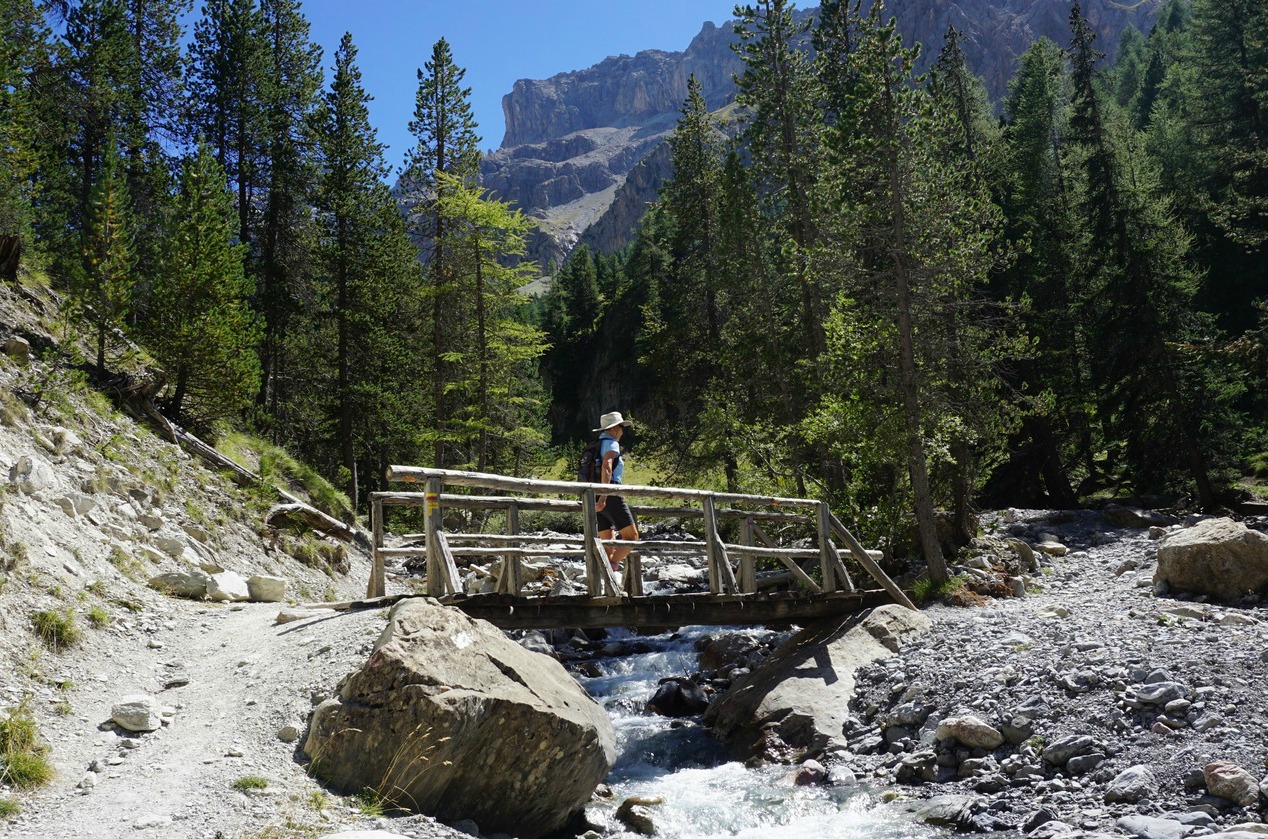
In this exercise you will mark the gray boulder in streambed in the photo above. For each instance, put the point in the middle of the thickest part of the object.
(795, 703)
(452, 719)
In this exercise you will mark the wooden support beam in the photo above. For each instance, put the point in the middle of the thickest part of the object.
(511, 566)
(748, 562)
(450, 568)
(868, 563)
(633, 579)
(560, 505)
(432, 516)
(595, 555)
(722, 576)
(799, 572)
(482, 480)
(377, 586)
(827, 571)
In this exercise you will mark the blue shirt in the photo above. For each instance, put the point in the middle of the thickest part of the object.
(609, 444)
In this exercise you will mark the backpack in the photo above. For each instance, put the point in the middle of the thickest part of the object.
(588, 467)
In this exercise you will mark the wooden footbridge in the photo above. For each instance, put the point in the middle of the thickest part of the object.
(737, 593)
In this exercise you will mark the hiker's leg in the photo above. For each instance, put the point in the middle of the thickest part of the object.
(630, 534)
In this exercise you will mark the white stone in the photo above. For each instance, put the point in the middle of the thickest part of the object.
(969, 731)
(137, 712)
(151, 520)
(173, 546)
(228, 585)
(1053, 610)
(152, 820)
(31, 474)
(288, 733)
(266, 589)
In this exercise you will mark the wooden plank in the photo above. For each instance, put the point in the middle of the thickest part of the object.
(610, 584)
(483, 480)
(560, 505)
(633, 581)
(868, 563)
(800, 573)
(511, 565)
(432, 516)
(711, 548)
(663, 612)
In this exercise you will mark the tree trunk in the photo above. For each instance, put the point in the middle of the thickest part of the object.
(483, 342)
(962, 488)
(437, 311)
(1060, 492)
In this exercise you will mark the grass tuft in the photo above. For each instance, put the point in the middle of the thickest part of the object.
(22, 762)
(9, 808)
(98, 617)
(278, 468)
(56, 629)
(247, 782)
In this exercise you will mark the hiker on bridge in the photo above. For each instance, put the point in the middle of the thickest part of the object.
(614, 513)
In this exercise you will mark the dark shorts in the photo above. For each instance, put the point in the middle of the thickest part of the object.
(616, 514)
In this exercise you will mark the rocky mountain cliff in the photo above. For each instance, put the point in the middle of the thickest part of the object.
(578, 150)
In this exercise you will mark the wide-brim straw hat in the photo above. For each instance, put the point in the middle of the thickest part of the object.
(611, 420)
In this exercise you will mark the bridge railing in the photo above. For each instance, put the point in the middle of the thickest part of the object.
(725, 576)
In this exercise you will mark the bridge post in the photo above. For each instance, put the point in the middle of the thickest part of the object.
(827, 554)
(748, 563)
(511, 581)
(594, 554)
(377, 585)
(435, 562)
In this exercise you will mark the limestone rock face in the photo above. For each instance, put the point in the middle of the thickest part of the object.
(795, 703)
(450, 718)
(1219, 557)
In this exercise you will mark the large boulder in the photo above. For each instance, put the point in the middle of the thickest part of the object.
(1219, 557)
(451, 718)
(794, 705)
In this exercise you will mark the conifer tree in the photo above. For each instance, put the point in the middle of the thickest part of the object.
(371, 271)
(445, 131)
(105, 290)
(202, 329)
(24, 46)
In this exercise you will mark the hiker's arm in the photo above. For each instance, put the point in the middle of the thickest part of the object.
(605, 477)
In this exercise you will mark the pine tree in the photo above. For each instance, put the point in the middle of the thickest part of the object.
(23, 47)
(445, 131)
(105, 290)
(372, 276)
(202, 330)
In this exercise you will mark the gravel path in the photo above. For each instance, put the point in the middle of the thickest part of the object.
(1093, 655)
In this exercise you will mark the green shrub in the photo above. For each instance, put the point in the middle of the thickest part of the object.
(9, 808)
(247, 782)
(98, 617)
(22, 762)
(56, 629)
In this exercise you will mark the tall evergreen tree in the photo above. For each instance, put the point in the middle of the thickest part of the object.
(23, 47)
(105, 289)
(202, 329)
(445, 131)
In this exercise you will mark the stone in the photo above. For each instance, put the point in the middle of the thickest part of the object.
(1228, 780)
(1219, 557)
(1059, 751)
(917, 767)
(1257, 828)
(292, 615)
(227, 586)
(466, 826)
(795, 703)
(1133, 517)
(678, 698)
(1053, 610)
(1133, 785)
(363, 834)
(1148, 827)
(289, 733)
(152, 820)
(633, 813)
(810, 773)
(31, 474)
(1052, 829)
(1156, 532)
(1052, 548)
(151, 520)
(1082, 764)
(262, 588)
(970, 731)
(1160, 693)
(173, 546)
(946, 810)
(18, 348)
(137, 712)
(456, 695)
(190, 583)
(1235, 619)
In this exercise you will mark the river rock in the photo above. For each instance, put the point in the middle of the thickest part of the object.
(190, 583)
(946, 810)
(795, 703)
(265, 589)
(1148, 827)
(1059, 751)
(31, 474)
(444, 706)
(137, 712)
(1228, 780)
(1219, 557)
(970, 731)
(1133, 517)
(227, 585)
(1133, 785)
(678, 698)
(634, 814)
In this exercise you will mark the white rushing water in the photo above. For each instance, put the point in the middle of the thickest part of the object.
(704, 795)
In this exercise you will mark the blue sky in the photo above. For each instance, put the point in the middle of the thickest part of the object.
(497, 41)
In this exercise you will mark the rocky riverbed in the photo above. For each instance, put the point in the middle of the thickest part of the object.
(1092, 705)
